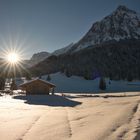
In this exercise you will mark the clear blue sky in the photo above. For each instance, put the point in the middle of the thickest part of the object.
(47, 25)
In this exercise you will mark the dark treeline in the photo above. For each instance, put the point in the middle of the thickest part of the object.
(116, 60)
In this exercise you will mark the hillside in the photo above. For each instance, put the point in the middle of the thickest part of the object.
(116, 60)
(110, 47)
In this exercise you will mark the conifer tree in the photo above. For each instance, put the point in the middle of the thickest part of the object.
(129, 77)
(102, 84)
(48, 78)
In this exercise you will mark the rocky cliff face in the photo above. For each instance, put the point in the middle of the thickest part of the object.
(122, 24)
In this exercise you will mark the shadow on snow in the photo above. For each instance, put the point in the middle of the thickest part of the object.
(50, 100)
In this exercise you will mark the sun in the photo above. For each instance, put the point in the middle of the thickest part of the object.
(12, 58)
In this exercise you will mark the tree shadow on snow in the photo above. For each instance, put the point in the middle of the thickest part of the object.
(50, 100)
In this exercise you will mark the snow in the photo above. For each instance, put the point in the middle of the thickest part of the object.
(63, 50)
(84, 45)
(121, 24)
(79, 84)
(93, 118)
(100, 31)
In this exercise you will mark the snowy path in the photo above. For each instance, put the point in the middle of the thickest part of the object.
(96, 118)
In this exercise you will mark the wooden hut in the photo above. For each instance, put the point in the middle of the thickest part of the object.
(37, 86)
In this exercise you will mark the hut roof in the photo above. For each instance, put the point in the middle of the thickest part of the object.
(38, 80)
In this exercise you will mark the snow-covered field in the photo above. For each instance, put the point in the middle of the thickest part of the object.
(79, 84)
(70, 118)
(75, 84)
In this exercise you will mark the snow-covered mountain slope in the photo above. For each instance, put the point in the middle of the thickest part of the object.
(36, 58)
(122, 24)
(62, 50)
(111, 47)
(40, 56)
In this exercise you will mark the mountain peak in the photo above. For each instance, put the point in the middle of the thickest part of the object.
(122, 24)
(40, 56)
(123, 8)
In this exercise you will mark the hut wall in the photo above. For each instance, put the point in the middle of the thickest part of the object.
(37, 88)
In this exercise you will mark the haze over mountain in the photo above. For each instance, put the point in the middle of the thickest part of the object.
(36, 58)
(62, 50)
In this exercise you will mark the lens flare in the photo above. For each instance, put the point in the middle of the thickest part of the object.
(14, 54)
(13, 58)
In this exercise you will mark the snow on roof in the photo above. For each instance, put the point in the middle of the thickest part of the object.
(37, 79)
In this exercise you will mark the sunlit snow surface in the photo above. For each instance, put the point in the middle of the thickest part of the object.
(79, 84)
(95, 118)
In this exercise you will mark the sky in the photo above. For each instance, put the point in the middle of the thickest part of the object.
(32, 26)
